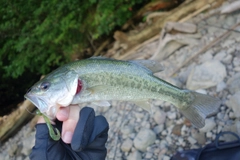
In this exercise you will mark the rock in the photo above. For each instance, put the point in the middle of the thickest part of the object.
(234, 103)
(177, 129)
(184, 73)
(228, 43)
(199, 136)
(207, 75)
(236, 61)
(144, 138)
(209, 134)
(221, 86)
(232, 115)
(19, 158)
(220, 56)
(136, 155)
(181, 141)
(158, 129)
(187, 122)
(12, 149)
(206, 56)
(232, 128)
(234, 83)
(209, 125)
(28, 143)
(159, 117)
(2, 156)
(166, 157)
(149, 155)
(220, 115)
(127, 145)
(191, 140)
(127, 130)
(172, 115)
(227, 59)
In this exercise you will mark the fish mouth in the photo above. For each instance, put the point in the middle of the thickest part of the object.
(38, 102)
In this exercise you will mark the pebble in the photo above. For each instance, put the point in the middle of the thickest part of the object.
(172, 115)
(220, 56)
(227, 59)
(234, 103)
(166, 158)
(206, 57)
(177, 129)
(149, 155)
(127, 129)
(158, 129)
(221, 86)
(144, 138)
(159, 117)
(136, 155)
(209, 134)
(209, 125)
(127, 145)
(191, 140)
(233, 83)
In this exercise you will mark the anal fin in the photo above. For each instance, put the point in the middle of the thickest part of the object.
(144, 105)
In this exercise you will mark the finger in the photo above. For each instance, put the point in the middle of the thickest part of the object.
(41, 120)
(69, 125)
(63, 113)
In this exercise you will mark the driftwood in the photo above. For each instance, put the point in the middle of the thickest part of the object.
(10, 124)
(187, 9)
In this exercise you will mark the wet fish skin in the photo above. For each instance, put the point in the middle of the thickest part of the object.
(105, 79)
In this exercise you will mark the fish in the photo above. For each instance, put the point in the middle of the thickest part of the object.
(99, 80)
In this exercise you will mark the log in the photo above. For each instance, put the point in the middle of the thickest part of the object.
(175, 15)
(10, 124)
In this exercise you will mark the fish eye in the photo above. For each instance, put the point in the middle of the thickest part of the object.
(45, 85)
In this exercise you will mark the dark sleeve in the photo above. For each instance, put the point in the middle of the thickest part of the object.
(47, 149)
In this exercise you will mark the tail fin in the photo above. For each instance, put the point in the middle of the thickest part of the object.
(201, 107)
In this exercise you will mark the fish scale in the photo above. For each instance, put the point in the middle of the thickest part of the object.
(104, 79)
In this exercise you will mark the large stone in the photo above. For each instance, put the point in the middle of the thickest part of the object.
(144, 138)
(234, 83)
(234, 103)
(206, 75)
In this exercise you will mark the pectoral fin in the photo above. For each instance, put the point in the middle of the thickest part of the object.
(102, 103)
(151, 65)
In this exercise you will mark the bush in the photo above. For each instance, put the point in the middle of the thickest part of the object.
(38, 35)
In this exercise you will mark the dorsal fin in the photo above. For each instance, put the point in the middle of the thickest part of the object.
(152, 65)
(100, 57)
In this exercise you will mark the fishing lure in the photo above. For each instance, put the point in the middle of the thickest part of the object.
(54, 135)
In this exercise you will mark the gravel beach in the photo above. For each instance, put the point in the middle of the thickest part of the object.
(136, 134)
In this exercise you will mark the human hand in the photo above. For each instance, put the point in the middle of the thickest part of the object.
(86, 133)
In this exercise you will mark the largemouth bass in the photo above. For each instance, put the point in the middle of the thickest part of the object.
(100, 80)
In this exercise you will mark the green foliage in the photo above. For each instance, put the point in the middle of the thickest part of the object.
(36, 36)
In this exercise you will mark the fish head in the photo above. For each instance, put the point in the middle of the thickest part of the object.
(55, 90)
